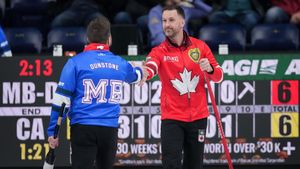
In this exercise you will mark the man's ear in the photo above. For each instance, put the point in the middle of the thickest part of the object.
(109, 40)
(182, 23)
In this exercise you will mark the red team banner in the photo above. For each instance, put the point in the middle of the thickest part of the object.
(258, 101)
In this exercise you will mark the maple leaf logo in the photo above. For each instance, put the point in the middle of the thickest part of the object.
(186, 85)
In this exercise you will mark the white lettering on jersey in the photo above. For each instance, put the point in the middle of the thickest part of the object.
(115, 91)
(171, 58)
(99, 92)
(90, 91)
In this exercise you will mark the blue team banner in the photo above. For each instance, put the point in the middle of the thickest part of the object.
(258, 101)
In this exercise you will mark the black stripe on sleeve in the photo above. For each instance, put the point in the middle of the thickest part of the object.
(63, 92)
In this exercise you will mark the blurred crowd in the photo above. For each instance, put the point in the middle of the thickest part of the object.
(47, 15)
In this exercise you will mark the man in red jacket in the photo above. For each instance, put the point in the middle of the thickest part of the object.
(181, 62)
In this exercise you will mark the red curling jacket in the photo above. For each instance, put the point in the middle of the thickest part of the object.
(183, 95)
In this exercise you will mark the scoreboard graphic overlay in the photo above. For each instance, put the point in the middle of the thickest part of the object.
(258, 101)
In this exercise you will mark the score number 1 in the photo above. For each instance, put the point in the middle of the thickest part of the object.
(212, 128)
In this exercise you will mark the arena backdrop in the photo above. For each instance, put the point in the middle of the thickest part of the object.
(258, 101)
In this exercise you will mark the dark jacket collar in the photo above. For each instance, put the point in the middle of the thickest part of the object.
(186, 41)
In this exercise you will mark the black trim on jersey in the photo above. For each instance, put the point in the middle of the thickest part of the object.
(56, 108)
(63, 91)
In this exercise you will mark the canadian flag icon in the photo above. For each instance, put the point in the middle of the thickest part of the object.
(201, 136)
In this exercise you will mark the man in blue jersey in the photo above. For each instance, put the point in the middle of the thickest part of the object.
(91, 83)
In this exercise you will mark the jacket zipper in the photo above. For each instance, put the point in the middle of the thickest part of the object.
(189, 95)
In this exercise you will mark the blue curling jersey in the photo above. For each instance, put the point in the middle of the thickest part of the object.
(91, 83)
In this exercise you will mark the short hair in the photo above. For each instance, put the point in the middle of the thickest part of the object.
(98, 30)
(179, 10)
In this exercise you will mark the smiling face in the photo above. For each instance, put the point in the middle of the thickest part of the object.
(173, 23)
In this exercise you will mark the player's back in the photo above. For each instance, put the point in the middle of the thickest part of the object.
(99, 79)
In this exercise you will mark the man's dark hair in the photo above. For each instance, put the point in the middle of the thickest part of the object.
(98, 30)
(175, 7)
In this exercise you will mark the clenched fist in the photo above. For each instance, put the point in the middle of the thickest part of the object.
(205, 65)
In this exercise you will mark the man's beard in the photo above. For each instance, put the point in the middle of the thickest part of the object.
(170, 33)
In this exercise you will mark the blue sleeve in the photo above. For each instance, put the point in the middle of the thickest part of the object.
(4, 47)
(63, 94)
(134, 74)
(67, 79)
(53, 118)
(155, 26)
(199, 10)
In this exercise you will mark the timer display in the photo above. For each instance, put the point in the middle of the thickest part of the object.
(36, 68)
(35, 152)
